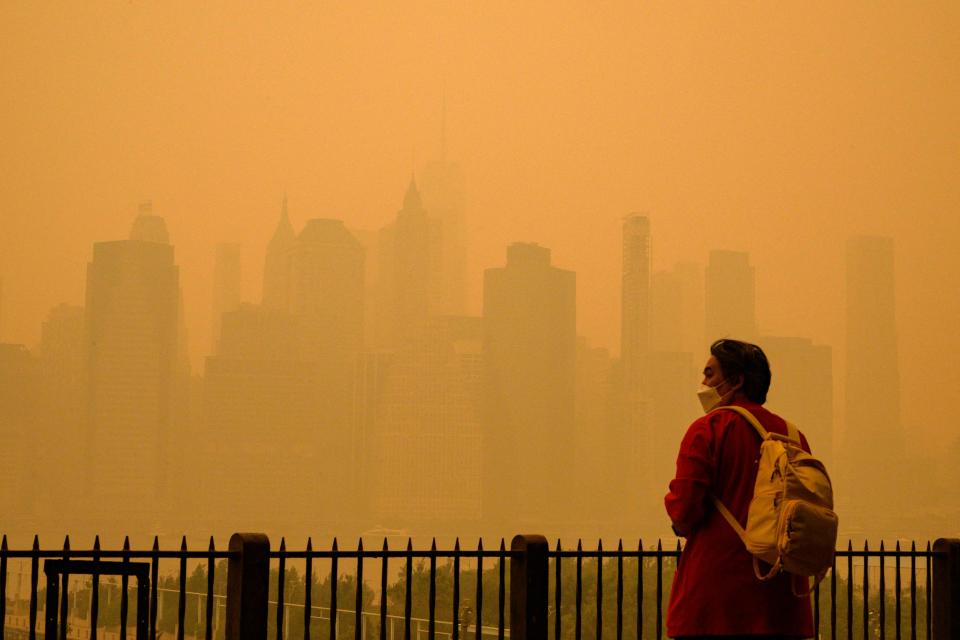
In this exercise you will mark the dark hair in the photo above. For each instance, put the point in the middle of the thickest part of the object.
(737, 359)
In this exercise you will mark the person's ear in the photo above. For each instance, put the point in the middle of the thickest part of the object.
(738, 384)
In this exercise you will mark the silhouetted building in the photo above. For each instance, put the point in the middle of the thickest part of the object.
(873, 435)
(370, 241)
(628, 441)
(328, 291)
(730, 297)
(277, 265)
(802, 389)
(21, 404)
(327, 301)
(424, 463)
(261, 407)
(226, 287)
(410, 279)
(529, 352)
(635, 299)
(132, 360)
(61, 361)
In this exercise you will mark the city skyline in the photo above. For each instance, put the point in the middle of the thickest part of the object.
(274, 357)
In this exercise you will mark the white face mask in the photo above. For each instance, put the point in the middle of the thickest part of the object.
(709, 397)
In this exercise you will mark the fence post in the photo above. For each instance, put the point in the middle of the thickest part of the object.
(529, 579)
(248, 574)
(946, 589)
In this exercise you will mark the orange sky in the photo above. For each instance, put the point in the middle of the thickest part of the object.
(776, 128)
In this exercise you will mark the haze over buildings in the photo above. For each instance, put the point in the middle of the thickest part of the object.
(359, 353)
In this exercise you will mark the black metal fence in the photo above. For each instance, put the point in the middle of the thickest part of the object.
(402, 593)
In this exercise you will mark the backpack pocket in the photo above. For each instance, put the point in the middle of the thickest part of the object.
(807, 537)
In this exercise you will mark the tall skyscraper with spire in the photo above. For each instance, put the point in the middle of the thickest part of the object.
(132, 351)
(276, 271)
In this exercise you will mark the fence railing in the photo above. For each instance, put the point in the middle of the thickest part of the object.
(559, 593)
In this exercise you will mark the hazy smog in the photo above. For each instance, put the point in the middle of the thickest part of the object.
(439, 269)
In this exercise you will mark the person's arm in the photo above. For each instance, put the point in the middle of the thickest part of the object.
(689, 491)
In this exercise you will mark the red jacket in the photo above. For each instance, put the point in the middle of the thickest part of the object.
(715, 591)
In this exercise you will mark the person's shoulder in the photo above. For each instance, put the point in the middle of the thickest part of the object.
(711, 421)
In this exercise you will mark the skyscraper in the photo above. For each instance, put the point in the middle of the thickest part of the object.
(132, 351)
(21, 404)
(873, 432)
(61, 360)
(529, 354)
(262, 421)
(635, 299)
(424, 444)
(276, 270)
(628, 441)
(226, 287)
(411, 265)
(327, 293)
(326, 299)
(730, 297)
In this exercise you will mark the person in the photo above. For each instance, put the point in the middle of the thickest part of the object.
(715, 591)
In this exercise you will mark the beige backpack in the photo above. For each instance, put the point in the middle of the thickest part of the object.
(791, 524)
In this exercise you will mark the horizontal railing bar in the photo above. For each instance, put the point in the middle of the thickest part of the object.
(672, 553)
(373, 555)
(888, 554)
(399, 553)
(60, 554)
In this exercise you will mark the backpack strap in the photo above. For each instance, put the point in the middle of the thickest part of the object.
(793, 434)
(750, 418)
(729, 518)
(716, 501)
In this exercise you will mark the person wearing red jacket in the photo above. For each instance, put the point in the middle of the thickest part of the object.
(715, 592)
